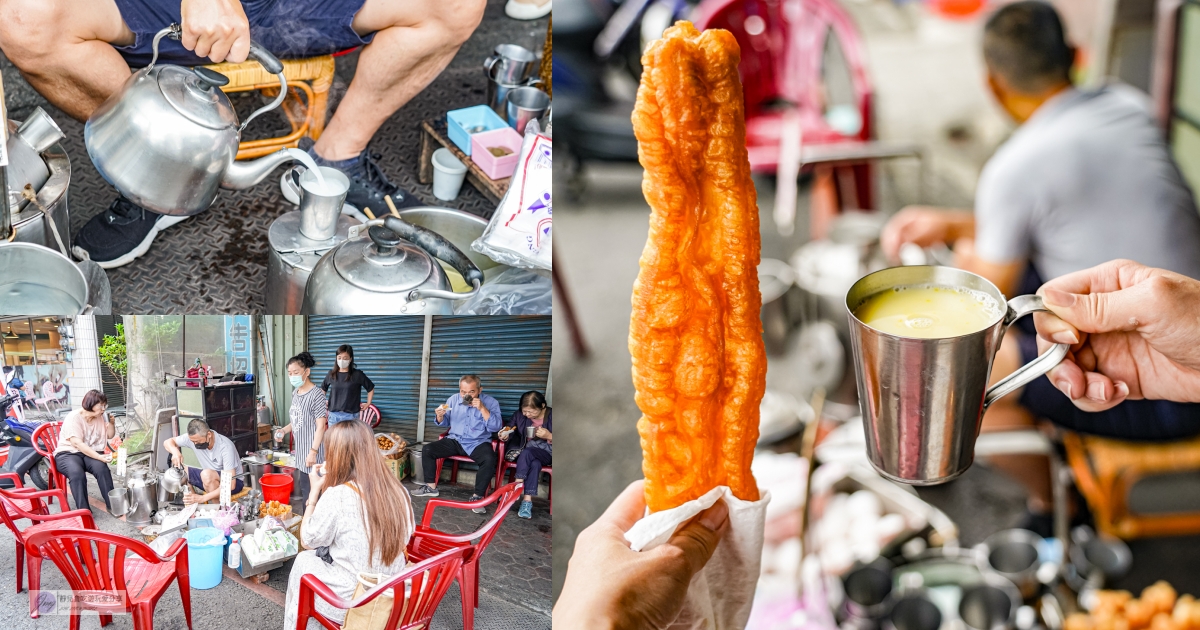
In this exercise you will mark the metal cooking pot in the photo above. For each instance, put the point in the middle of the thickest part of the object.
(258, 467)
(393, 270)
(167, 139)
(292, 259)
(37, 222)
(38, 280)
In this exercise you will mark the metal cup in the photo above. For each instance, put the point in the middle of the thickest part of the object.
(1013, 554)
(530, 431)
(867, 589)
(922, 400)
(914, 612)
(319, 209)
(118, 501)
(39, 131)
(509, 64)
(986, 607)
(525, 104)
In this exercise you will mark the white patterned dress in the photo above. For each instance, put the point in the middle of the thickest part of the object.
(336, 522)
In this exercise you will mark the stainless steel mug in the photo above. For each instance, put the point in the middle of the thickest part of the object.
(320, 209)
(986, 607)
(914, 612)
(498, 90)
(1013, 554)
(509, 64)
(525, 104)
(922, 400)
(530, 431)
(118, 501)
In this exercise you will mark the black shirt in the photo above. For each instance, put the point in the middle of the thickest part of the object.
(345, 394)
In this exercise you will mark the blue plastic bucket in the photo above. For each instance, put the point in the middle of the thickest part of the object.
(206, 547)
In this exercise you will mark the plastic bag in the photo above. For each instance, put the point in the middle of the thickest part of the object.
(511, 292)
(519, 234)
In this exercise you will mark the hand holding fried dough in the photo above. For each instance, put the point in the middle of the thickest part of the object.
(699, 366)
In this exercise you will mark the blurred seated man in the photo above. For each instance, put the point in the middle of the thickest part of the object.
(78, 52)
(1086, 178)
(473, 417)
(215, 452)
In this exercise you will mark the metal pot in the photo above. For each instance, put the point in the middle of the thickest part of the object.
(25, 146)
(118, 501)
(167, 139)
(37, 222)
(143, 497)
(258, 467)
(393, 270)
(292, 259)
(38, 280)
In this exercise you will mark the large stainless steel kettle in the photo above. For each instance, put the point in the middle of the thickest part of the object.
(143, 496)
(390, 271)
(168, 138)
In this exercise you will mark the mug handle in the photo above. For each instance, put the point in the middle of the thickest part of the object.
(1019, 307)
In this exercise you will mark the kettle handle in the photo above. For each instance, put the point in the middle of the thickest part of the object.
(438, 247)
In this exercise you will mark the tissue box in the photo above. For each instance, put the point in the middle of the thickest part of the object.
(459, 122)
(496, 167)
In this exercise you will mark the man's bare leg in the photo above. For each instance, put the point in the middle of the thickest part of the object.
(414, 41)
(1031, 471)
(64, 48)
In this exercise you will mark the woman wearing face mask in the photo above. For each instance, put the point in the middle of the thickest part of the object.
(309, 418)
(81, 443)
(344, 385)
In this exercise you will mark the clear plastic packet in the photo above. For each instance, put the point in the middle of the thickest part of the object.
(511, 292)
(519, 234)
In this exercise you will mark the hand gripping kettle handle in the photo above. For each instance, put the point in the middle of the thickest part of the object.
(1019, 307)
(438, 247)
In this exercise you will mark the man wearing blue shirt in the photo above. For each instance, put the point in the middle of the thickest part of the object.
(473, 417)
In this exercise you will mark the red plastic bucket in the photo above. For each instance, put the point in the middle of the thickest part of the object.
(276, 487)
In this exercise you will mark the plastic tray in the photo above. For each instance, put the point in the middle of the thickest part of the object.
(492, 166)
(460, 122)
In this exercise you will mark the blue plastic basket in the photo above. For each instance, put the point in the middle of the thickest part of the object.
(459, 121)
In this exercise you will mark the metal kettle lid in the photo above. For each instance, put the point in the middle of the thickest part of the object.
(196, 94)
(284, 234)
(383, 262)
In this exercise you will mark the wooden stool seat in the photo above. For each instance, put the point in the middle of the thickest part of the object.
(312, 76)
(1106, 470)
(233, 497)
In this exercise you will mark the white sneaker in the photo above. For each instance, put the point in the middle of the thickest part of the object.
(526, 11)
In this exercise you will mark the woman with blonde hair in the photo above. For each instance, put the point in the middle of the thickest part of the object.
(358, 519)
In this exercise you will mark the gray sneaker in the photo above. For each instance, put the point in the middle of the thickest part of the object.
(478, 510)
(425, 491)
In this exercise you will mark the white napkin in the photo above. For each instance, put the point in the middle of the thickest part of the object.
(721, 594)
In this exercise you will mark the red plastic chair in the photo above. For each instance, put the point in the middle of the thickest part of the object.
(45, 440)
(370, 415)
(455, 459)
(783, 46)
(141, 576)
(39, 514)
(423, 585)
(25, 504)
(427, 542)
(511, 468)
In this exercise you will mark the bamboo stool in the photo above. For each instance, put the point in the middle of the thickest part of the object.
(1106, 470)
(312, 76)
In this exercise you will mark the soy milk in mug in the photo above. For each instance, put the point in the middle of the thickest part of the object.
(929, 311)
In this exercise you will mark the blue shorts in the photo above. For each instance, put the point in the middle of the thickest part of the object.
(194, 479)
(288, 28)
(1133, 420)
(341, 416)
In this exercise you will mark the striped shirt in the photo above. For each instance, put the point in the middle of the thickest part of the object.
(307, 408)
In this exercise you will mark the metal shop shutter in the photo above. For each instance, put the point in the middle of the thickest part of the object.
(510, 354)
(388, 350)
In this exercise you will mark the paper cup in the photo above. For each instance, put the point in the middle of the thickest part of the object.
(448, 175)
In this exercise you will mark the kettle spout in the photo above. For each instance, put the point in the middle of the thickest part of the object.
(245, 174)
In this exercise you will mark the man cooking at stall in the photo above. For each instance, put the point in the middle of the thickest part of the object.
(215, 452)
(78, 52)
(1087, 177)
(473, 417)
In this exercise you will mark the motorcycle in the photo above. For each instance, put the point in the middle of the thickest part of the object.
(16, 439)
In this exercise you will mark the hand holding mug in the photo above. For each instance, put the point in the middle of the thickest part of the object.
(541, 433)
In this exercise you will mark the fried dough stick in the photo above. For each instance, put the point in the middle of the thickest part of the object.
(698, 361)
